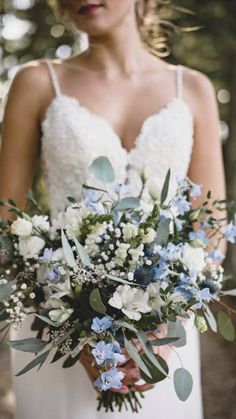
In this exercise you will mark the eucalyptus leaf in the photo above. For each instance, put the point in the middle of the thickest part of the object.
(163, 232)
(183, 383)
(39, 360)
(128, 202)
(47, 320)
(176, 329)
(156, 374)
(210, 318)
(226, 327)
(96, 301)
(132, 351)
(148, 351)
(70, 361)
(68, 252)
(102, 169)
(165, 188)
(83, 254)
(33, 345)
(123, 281)
(230, 292)
(127, 325)
(163, 341)
(6, 290)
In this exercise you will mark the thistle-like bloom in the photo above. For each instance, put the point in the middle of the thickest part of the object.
(109, 379)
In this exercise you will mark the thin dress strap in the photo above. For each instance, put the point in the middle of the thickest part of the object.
(54, 77)
(179, 81)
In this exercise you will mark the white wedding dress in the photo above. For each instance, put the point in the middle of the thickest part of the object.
(72, 137)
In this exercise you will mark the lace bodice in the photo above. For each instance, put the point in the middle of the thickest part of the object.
(72, 137)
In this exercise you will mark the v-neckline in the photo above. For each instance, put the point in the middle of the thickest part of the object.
(102, 119)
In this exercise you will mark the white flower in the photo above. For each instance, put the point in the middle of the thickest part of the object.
(74, 217)
(92, 238)
(58, 255)
(137, 252)
(60, 315)
(129, 231)
(149, 237)
(193, 258)
(155, 300)
(121, 253)
(41, 222)
(131, 301)
(29, 247)
(21, 227)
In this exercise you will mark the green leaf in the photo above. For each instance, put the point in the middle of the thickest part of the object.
(210, 318)
(70, 361)
(123, 281)
(148, 351)
(132, 351)
(33, 345)
(39, 360)
(226, 327)
(96, 301)
(156, 374)
(102, 169)
(163, 232)
(83, 254)
(176, 329)
(165, 188)
(129, 202)
(127, 325)
(6, 290)
(163, 341)
(47, 320)
(183, 383)
(69, 256)
(230, 292)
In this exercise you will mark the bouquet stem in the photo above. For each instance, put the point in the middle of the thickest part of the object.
(111, 401)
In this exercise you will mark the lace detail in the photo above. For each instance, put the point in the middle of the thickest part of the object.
(72, 137)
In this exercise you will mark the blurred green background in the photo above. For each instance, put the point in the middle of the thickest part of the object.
(28, 30)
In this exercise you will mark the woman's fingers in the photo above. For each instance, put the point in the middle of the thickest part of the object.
(131, 375)
(141, 387)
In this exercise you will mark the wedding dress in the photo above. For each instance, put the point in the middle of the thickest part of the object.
(72, 137)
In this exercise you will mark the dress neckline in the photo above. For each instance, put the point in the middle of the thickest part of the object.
(155, 115)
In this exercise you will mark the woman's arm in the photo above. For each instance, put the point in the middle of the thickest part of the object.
(20, 142)
(206, 167)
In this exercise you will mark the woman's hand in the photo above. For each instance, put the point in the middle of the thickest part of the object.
(128, 367)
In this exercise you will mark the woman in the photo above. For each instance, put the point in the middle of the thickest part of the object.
(114, 99)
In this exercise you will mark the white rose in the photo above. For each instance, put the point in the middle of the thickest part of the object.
(131, 301)
(193, 258)
(60, 315)
(29, 247)
(129, 231)
(41, 221)
(150, 236)
(21, 227)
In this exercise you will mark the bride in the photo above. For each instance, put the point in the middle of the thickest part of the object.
(114, 99)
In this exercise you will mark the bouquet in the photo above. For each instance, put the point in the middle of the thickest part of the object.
(109, 272)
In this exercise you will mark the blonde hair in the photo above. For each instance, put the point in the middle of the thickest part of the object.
(148, 21)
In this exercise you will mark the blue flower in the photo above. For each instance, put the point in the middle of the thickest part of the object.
(171, 252)
(203, 295)
(195, 190)
(189, 292)
(181, 203)
(160, 272)
(47, 255)
(230, 232)
(99, 325)
(216, 255)
(109, 379)
(179, 224)
(199, 235)
(53, 274)
(103, 352)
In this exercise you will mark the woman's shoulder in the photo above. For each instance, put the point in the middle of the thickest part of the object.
(197, 83)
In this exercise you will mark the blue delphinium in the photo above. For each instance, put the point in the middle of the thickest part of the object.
(100, 325)
(195, 190)
(47, 255)
(108, 353)
(181, 203)
(170, 253)
(230, 232)
(199, 235)
(53, 274)
(216, 255)
(109, 379)
(189, 292)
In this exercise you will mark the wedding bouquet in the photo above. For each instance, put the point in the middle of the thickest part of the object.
(108, 273)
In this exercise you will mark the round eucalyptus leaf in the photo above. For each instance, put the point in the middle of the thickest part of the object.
(183, 383)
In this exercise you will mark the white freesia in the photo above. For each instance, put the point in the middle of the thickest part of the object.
(41, 222)
(155, 300)
(137, 252)
(21, 227)
(129, 231)
(91, 239)
(149, 237)
(121, 253)
(131, 301)
(30, 246)
(60, 315)
(193, 258)
(74, 217)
